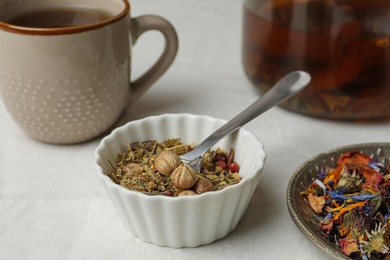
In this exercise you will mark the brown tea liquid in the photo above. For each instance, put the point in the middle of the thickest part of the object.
(59, 17)
(345, 48)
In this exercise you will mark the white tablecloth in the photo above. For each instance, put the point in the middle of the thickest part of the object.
(53, 207)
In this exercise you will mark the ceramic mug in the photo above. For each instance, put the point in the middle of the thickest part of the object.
(65, 65)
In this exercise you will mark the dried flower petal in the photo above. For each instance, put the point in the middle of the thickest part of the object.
(376, 242)
(348, 246)
(327, 223)
(354, 157)
(349, 181)
(372, 179)
(316, 203)
(356, 195)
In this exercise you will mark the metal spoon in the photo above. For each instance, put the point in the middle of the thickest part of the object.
(285, 88)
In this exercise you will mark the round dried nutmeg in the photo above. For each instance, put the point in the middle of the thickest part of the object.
(184, 177)
(203, 185)
(186, 193)
(166, 162)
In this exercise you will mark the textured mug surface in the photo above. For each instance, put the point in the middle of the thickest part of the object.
(68, 85)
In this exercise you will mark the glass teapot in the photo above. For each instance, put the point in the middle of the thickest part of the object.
(343, 44)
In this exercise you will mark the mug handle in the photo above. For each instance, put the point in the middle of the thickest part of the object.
(145, 23)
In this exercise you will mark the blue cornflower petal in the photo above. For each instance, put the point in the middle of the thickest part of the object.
(337, 195)
(367, 209)
(327, 218)
(321, 174)
(387, 216)
(362, 197)
(378, 167)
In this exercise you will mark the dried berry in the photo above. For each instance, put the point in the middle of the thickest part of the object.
(220, 157)
(234, 167)
(221, 164)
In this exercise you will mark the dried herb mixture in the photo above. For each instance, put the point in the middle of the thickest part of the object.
(353, 200)
(155, 168)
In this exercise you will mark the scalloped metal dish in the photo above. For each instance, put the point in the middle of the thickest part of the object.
(301, 213)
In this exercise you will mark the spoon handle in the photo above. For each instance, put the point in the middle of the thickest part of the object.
(285, 88)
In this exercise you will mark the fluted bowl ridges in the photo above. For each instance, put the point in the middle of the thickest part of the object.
(187, 221)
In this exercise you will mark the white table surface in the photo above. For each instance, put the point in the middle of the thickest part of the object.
(53, 207)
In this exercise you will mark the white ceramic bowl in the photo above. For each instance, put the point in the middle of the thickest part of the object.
(187, 221)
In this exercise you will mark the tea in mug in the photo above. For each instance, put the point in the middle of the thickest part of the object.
(344, 45)
(59, 17)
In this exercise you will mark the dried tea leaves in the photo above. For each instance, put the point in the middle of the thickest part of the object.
(155, 168)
